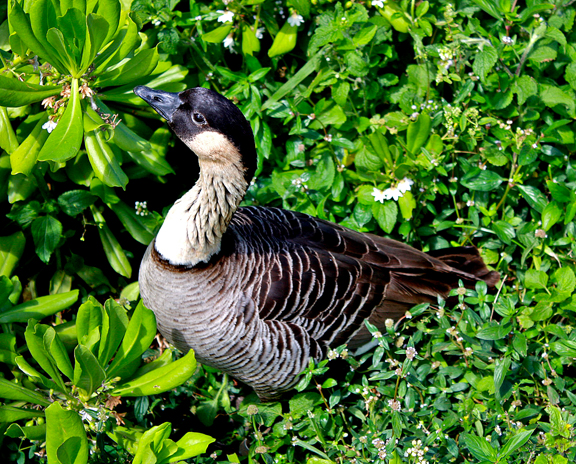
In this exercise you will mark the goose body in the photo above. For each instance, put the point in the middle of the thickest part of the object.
(257, 291)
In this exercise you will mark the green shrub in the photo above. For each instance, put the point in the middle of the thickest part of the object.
(434, 123)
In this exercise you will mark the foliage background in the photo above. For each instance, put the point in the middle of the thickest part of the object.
(472, 102)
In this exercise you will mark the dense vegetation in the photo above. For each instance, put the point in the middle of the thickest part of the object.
(434, 123)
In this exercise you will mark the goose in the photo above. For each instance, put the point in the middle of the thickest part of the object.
(258, 291)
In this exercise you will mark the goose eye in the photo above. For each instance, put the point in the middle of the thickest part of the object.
(198, 118)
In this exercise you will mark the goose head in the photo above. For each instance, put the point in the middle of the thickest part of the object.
(209, 124)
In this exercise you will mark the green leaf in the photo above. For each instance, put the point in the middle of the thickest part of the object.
(217, 35)
(12, 414)
(565, 348)
(88, 374)
(490, 7)
(159, 380)
(533, 196)
(481, 180)
(98, 31)
(103, 160)
(55, 347)
(12, 391)
(551, 214)
(46, 232)
(285, 40)
(114, 324)
(500, 372)
(89, 323)
(8, 141)
(250, 43)
(39, 308)
(480, 448)
(496, 332)
(365, 35)
(418, 132)
(74, 202)
(135, 68)
(11, 249)
(407, 204)
(136, 225)
(504, 231)
(14, 92)
(552, 96)
(23, 159)
(565, 279)
(515, 442)
(65, 140)
(291, 84)
(525, 87)
(484, 61)
(190, 445)
(34, 336)
(65, 436)
(535, 279)
(386, 215)
(140, 332)
(112, 248)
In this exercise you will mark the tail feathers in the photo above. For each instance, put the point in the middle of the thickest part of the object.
(468, 260)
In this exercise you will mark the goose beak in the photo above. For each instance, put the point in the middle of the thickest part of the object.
(165, 103)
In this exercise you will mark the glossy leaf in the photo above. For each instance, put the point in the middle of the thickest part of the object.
(114, 325)
(12, 391)
(56, 348)
(136, 225)
(46, 232)
(159, 380)
(418, 133)
(65, 140)
(139, 335)
(11, 249)
(65, 436)
(135, 68)
(34, 336)
(24, 157)
(190, 445)
(285, 40)
(112, 248)
(104, 161)
(8, 141)
(250, 44)
(39, 307)
(217, 35)
(14, 92)
(88, 374)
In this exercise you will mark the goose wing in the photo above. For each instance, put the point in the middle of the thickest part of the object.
(328, 279)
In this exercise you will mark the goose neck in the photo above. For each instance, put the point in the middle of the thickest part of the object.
(193, 228)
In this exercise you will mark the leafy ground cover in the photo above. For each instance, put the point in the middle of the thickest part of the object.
(434, 123)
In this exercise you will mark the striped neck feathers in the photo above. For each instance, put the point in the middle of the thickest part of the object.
(193, 229)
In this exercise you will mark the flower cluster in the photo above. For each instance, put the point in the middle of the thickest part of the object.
(393, 192)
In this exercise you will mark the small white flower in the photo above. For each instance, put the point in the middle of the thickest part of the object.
(378, 3)
(260, 33)
(156, 22)
(226, 16)
(229, 41)
(405, 184)
(393, 193)
(49, 126)
(198, 18)
(507, 40)
(295, 19)
(378, 195)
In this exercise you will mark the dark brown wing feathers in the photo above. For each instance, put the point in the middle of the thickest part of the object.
(329, 279)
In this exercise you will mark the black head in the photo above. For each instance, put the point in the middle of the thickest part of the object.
(197, 114)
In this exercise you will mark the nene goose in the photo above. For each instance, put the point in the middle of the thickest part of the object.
(258, 291)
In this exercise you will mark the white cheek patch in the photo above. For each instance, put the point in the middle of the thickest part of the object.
(210, 145)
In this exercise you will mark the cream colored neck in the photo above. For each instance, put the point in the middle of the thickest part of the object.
(193, 229)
